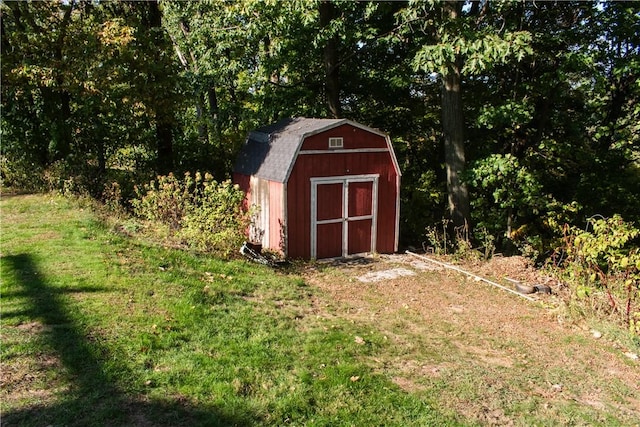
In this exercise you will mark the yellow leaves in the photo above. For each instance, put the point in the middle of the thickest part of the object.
(41, 76)
(138, 109)
(115, 34)
(624, 262)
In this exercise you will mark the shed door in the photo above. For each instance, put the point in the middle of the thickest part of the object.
(343, 215)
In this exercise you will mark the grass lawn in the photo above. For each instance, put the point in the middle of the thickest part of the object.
(103, 329)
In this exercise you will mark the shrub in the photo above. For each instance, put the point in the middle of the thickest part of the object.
(603, 268)
(510, 203)
(164, 200)
(204, 213)
(21, 174)
(215, 221)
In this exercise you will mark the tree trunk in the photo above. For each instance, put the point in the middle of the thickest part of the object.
(163, 113)
(453, 134)
(57, 111)
(201, 118)
(164, 139)
(332, 81)
(213, 109)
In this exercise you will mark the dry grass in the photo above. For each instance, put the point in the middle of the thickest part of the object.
(103, 328)
(486, 354)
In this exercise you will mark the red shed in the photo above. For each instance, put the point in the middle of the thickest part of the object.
(324, 187)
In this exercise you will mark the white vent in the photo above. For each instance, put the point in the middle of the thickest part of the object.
(335, 142)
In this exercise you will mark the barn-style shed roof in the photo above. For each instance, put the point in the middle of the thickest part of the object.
(269, 152)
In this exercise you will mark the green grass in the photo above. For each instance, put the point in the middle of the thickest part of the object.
(102, 329)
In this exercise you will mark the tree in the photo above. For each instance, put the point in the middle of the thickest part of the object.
(453, 125)
(158, 82)
(331, 59)
(457, 39)
(35, 43)
(548, 115)
(535, 104)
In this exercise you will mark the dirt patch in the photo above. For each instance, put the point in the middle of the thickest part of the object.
(478, 343)
(377, 276)
(25, 379)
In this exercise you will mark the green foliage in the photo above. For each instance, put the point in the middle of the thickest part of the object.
(165, 199)
(21, 174)
(480, 53)
(501, 188)
(420, 201)
(507, 182)
(510, 204)
(603, 268)
(438, 238)
(216, 222)
(206, 214)
(550, 92)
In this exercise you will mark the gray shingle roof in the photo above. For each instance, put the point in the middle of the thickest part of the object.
(269, 151)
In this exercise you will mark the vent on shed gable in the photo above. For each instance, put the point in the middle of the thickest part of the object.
(335, 142)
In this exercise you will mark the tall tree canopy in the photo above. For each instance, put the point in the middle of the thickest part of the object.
(511, 117)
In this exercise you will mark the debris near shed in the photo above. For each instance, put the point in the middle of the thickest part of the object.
(254, 253)
(524, 288)
(518, 268)
(474, 276)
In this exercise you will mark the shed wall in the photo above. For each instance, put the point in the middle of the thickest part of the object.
(353, 137)
(277, 237)
(268, 196)
(244, 181)
(339, 163)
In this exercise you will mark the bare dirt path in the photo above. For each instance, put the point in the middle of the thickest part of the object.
(491, 355)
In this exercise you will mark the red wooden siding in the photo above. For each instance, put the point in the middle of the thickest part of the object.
(340, 164)
(330, 201)
(360, 198)
(244, 181)
(352, 138)
(360, 204)
(359, 236)
(330, 240)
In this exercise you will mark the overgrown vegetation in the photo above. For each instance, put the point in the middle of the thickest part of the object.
(601, 264)
(99, 327)
(205, 214)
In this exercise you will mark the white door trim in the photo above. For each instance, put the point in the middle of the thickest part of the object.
(344, 180)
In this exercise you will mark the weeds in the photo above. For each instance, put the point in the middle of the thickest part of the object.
(438, 237)
(459, 244)
(602, 268)
(204, 213)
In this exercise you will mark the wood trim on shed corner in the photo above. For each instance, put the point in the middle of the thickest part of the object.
(398, 176)
(285, 219)
(397, 239)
